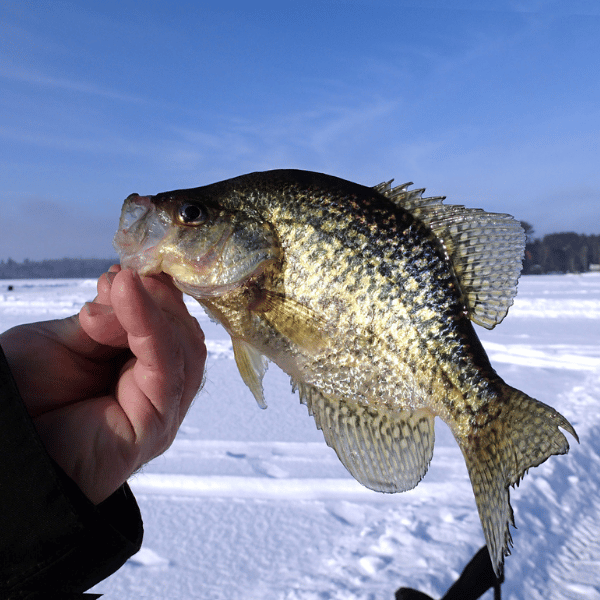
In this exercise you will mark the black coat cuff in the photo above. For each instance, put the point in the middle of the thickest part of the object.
(53, 539)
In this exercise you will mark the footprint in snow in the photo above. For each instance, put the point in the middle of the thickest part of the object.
(260, 467)
(264, 468)
(373, 564)
(348, 513)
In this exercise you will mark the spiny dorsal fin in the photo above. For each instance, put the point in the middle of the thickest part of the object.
(486, 249)
(383, 187)
(385, 450)
(252, 366)
(410, 200)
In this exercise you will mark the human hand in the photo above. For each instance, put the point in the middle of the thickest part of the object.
(108, 389)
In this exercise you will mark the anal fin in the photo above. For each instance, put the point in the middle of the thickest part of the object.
(385, 450)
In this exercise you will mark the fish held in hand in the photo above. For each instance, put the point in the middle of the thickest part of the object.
(366, 298)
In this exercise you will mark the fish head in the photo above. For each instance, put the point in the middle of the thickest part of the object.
(206, 248)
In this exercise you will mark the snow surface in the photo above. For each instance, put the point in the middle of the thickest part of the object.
(250, 504)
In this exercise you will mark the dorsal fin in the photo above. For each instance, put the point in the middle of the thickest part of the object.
(486, 249)
(410, 200)
(385, 450)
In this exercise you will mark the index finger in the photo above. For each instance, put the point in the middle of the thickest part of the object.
(169, 348)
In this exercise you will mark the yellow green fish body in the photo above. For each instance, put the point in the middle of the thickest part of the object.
(365, 297)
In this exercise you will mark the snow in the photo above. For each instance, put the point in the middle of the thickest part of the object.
(251, 504)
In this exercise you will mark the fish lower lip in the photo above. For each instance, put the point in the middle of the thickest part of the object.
(140, 263)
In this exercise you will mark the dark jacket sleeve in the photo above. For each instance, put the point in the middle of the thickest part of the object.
(53, 540)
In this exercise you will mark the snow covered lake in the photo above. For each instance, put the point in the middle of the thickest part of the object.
(251, 504)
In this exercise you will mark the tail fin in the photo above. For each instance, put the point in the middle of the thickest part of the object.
(523, 436)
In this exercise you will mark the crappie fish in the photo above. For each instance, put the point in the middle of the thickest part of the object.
(366, 298)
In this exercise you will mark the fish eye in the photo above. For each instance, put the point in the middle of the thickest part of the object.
(191, 214)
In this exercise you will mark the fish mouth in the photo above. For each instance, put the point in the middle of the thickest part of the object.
(205, 262)
(140, 231)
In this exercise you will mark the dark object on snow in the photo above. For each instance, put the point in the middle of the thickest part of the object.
(476, 579)
(410, 594)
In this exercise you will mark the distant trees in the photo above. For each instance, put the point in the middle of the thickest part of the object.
(561, 253)
(50, 269)
(528, 229)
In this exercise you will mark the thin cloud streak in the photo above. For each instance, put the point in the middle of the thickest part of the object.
(322, 136)
(38, 78)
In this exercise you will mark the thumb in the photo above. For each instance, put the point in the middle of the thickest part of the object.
(100, 323)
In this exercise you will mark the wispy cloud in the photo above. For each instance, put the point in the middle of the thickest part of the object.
(106, 143)
(322, 136)
(37, 78)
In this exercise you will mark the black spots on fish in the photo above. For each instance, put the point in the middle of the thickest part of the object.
(464, 371)
(483, 410)
(354, 204)
(390, 223)
(413, 365)
(351, 273)
(386, 270)
(332, 304)
(387, 290)
(485, 444)
(362, 298)
(429, 390)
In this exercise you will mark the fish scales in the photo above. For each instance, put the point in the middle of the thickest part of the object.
(399, 250)
(368, 256)
(365, 297)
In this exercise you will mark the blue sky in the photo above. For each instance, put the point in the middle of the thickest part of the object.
(495, 107)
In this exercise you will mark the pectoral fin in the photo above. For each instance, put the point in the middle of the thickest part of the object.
(385, 450)
(293, 320)
(252, 366)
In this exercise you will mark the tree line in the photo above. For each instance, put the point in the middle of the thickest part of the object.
(560, 252)
(55, 269)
